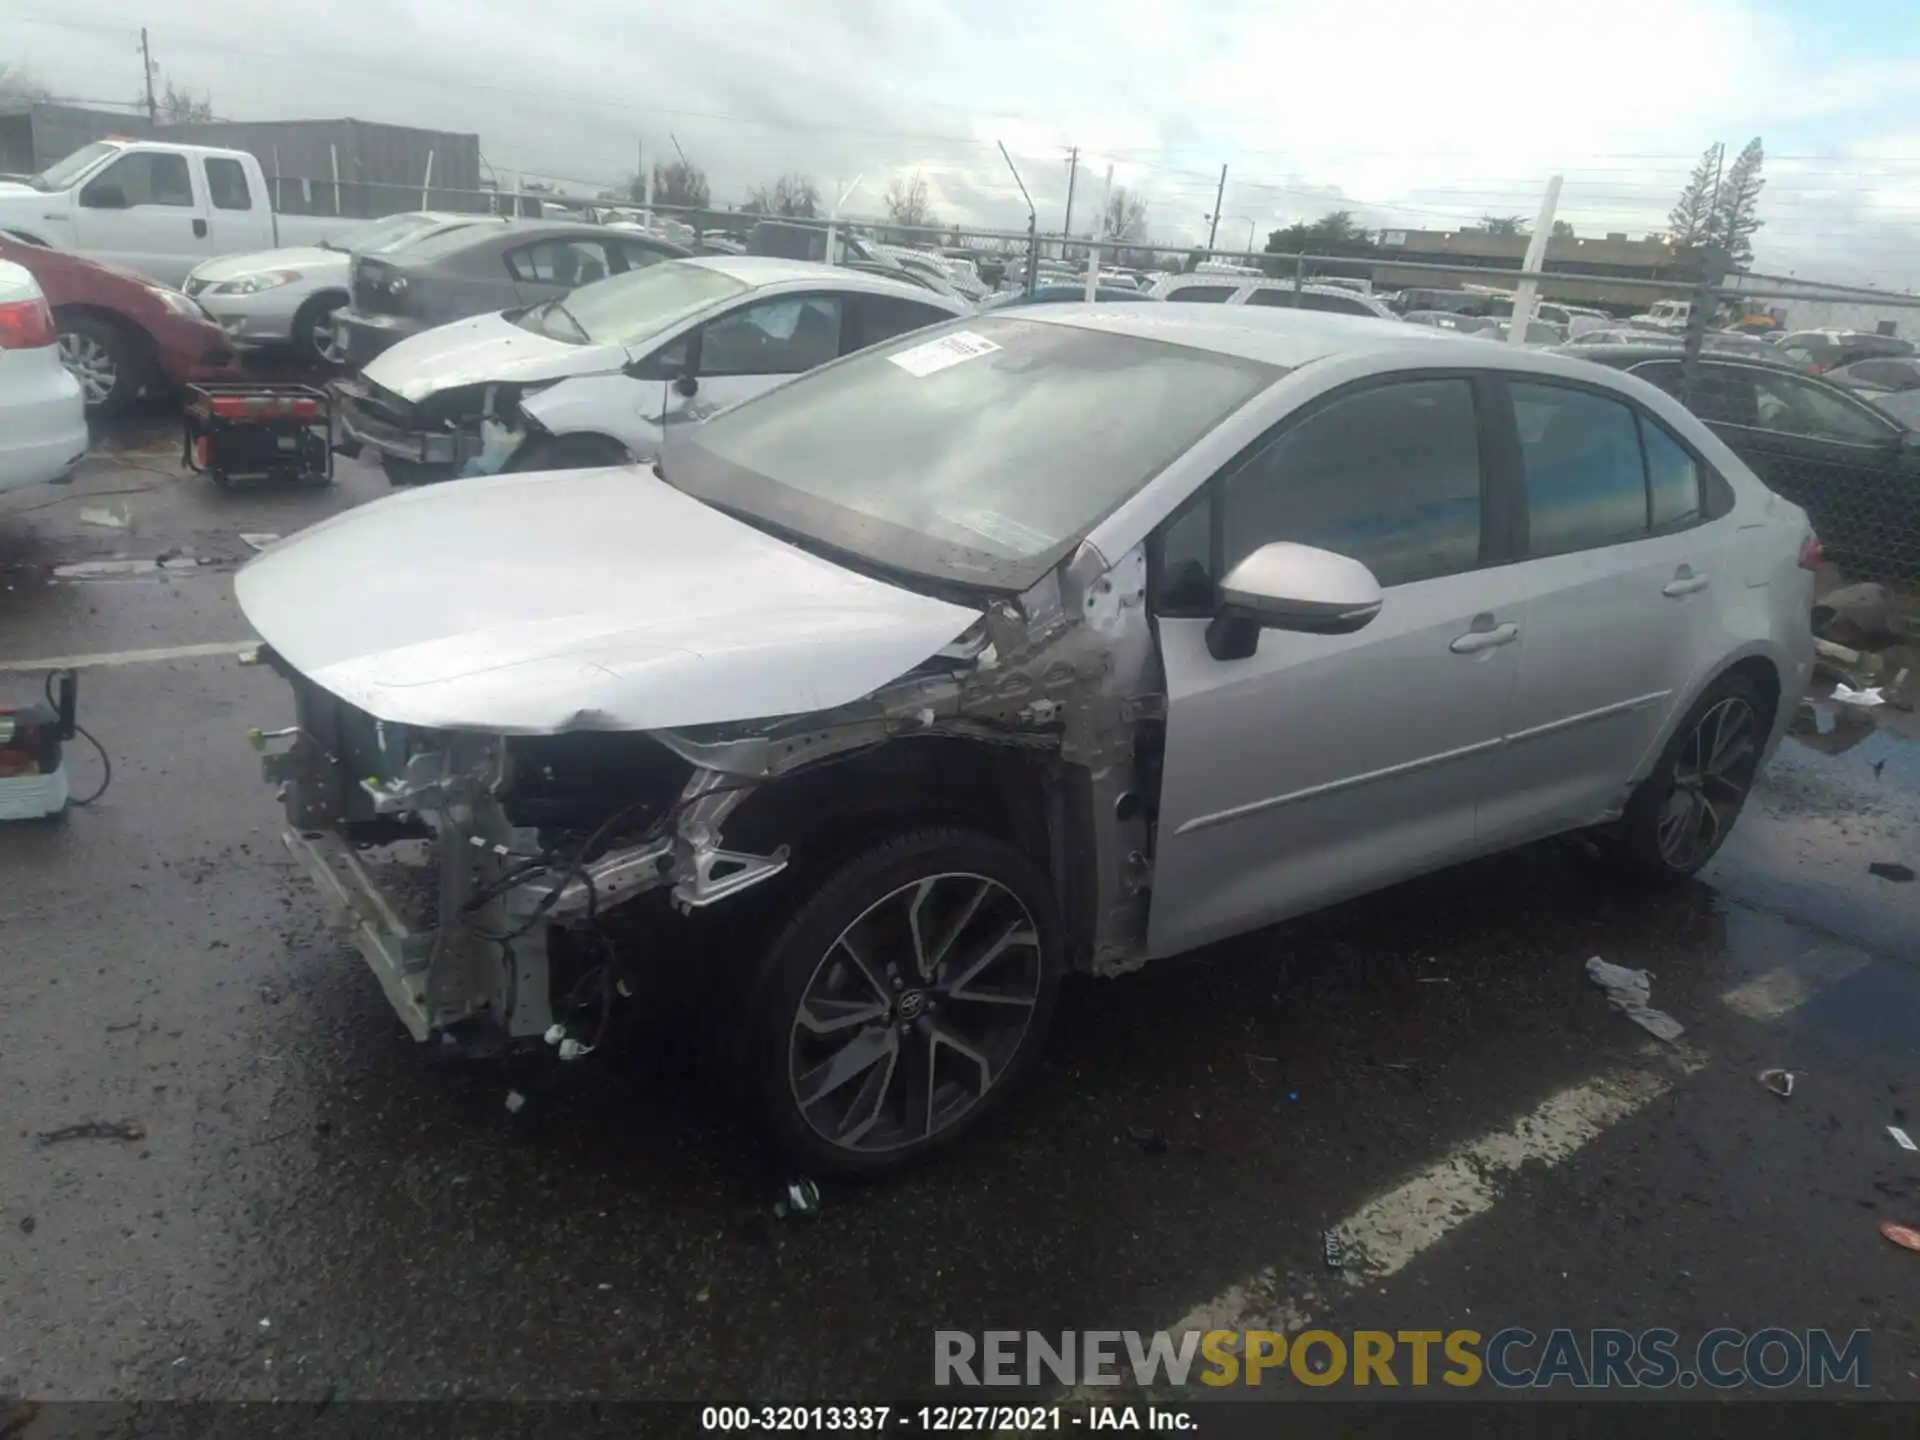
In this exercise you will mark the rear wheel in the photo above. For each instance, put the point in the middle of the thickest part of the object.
(104, 358)
(902, 1003)
(1680, 815)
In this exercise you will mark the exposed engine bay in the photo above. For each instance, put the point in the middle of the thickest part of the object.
(1047, 712)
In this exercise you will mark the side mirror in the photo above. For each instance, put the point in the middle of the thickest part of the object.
(686, 386)
(104, 197)
(1284, 586)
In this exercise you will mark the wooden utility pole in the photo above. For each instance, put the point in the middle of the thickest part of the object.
(1213, 228)
(1066, 225)
(146, 69)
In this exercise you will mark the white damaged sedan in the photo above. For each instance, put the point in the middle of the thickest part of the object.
(1052, 639)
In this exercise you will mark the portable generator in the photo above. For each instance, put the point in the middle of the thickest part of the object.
(257, 430)
(33, 771)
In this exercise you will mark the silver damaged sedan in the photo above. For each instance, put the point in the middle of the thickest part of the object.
(1062, 638)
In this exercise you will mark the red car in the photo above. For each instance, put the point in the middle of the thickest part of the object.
(122, 334)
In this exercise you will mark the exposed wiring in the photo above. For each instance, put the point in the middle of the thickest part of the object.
(106, 765)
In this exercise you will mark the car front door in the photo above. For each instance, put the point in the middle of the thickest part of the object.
(1627, 574)
(144, 212)
(1839, 459)
(1323, 766)
(752, 348)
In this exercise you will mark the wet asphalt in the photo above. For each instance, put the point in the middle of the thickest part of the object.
(295, 1202)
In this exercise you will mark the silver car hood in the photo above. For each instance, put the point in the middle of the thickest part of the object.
(484, 349)
(314, 262)
(577, 600)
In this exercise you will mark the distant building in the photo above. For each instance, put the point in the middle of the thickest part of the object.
(1400, 255)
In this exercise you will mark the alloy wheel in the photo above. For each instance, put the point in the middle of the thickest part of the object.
(914, 1012)
(92, 364)
(325, 339)
(1711, 777)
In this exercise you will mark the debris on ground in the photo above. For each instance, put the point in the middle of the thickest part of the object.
(28, 1224)
(516, 1102)
(258, 540)
(94, 1130)
(1780, 1082)
(1151, 1141)
(1840, 662)
(107, 517)
(1896, 693)
(1335, 1249)
(1845, 694)
(1891, 870)
(1901, 1138)
(1628, 991)
(1860, 616)
(1904, 1236)
(800, 1197)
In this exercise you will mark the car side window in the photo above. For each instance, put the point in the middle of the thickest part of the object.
(1333, 304)
(558, 262)
(873, 318)
(1207, 294)
(1722, 395)
(623, 255)
(669, 362)
(227, 184)
(1675, 495)
(1278, 299)
(1389, 475)
(1789, 405)
(146, 177)
(1586, 481)
(782, 336)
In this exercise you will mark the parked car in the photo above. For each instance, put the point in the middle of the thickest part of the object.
(1064, 295)
(1451, 320)
(1822, 350)
(1892, 372)
(154, 207)
(1234, 289)
(477, 269)
(1854, 467)
(604, 374)
(287, 297)
(121, 334)
(1062, 639)
(43, 421)
(1539, 332)
(1459, 302)
(1663, 315)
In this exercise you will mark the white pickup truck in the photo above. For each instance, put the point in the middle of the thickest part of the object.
(155, 207)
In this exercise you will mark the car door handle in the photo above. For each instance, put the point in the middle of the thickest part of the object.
(1475, 640)
(1685, 585)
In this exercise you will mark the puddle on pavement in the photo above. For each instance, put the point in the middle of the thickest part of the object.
(1830, 730)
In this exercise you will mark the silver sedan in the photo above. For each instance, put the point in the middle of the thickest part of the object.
(1066, 638)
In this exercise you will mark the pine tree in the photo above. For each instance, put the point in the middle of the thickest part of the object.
(1737, 216)
(1691, 221)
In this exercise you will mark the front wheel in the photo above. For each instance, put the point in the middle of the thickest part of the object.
(903, 1001)
(316, 339)
(1680, 815)
(104, 358)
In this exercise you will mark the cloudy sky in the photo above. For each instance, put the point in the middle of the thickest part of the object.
(1417, 115)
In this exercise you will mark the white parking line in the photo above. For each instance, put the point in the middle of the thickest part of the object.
(130, 657)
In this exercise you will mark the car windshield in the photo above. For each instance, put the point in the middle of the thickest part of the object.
(381, 234)
(633, 308)
(975, 454)
(62, 173)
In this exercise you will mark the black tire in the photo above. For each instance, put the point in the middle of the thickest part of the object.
(805, 958)
(106, 358)
(313, 330)
(568, 452)
(1643, 842)
(412, 472)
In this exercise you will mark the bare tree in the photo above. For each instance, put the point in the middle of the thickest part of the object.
(1562, 230)
(906, 201)
(19, 86)
(1126, 217)
(183, 107)
(793, 195)
(1504, 224)
(1690, 223)
(680, 183)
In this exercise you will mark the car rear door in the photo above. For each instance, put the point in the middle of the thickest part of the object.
(1626, 570)
(146, 211)
(1839, 459)
(751, 348)
(1323, 766)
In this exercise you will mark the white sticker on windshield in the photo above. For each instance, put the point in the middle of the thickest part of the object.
(949, 350)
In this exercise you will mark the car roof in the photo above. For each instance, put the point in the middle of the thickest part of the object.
(1272, 336)
(1621, 356)
(761, 271)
